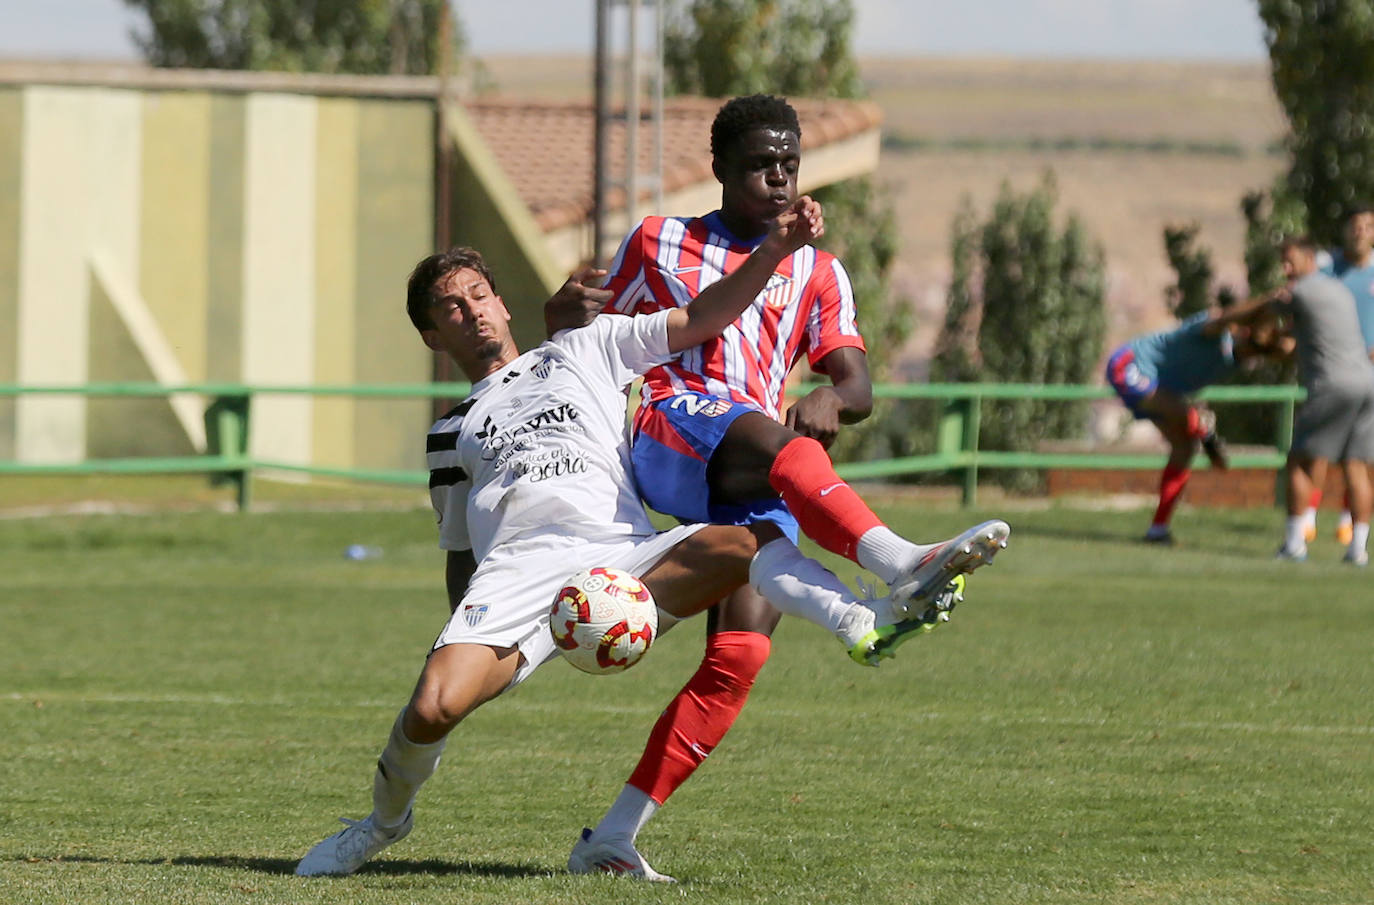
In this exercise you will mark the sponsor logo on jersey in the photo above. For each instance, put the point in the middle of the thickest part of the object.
(710, 406)
(474, 613)
(496, 438)
(543, 471)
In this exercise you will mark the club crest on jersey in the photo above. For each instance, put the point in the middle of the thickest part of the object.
(543, 369)
(709, 406)
(778, 292)
(473, 613)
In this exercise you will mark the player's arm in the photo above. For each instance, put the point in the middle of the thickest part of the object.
(1252, 310)
(718, 305)
(457, 573)
(847, 400)
(576, 302)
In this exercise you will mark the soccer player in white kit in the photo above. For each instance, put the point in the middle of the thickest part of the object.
(530, 478)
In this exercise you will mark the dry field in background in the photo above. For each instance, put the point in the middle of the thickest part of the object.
(1126, 195)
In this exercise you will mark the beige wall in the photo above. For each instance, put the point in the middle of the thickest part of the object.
(189, 234)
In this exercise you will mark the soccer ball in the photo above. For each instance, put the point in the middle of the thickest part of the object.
(603, 620)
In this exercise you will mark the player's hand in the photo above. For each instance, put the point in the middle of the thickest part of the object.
(798, 226)
(817, 415)
(577, 301)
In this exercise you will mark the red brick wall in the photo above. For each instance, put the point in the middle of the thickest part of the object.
(1245, 487)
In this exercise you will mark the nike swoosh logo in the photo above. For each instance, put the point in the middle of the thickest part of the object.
(826, 490)
(680, 270)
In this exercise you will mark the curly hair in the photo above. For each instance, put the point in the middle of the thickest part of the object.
(744, 114)
(420, 288)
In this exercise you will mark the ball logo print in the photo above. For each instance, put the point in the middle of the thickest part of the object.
(603, 620)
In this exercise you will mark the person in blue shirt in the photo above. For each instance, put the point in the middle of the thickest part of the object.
(1353, 265)
(1156, 374)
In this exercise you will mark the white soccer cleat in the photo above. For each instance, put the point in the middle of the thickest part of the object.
(349, 848)
(872, 630)
(911, 592)
(611, 856)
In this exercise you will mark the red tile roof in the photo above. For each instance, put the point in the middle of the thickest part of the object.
(546, 148)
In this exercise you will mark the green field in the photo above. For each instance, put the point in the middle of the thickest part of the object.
(189, 700)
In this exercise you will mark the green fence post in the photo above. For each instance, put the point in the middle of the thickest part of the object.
(973, 414)
(956, 440)
(226, 432)
(1283, 441)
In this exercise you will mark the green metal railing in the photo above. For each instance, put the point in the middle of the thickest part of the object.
(228, 418)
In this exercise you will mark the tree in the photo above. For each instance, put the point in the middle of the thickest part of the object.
(1192, 264)
(1025, 306)
(722, 48)
(365, 37)
(726, 47)
(1321, 55)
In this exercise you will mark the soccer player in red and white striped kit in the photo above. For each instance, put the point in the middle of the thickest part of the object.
(712, 443)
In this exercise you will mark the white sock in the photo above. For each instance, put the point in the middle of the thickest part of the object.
(631, 811)
(886, 553)
(1293, 539)
(1346, 518)
(401, 770)
(1359, 537)
(798, 585)
(1309, 517)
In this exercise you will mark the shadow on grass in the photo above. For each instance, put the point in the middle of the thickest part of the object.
(392, 867)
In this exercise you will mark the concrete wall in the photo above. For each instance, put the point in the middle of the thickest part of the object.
(190, 233)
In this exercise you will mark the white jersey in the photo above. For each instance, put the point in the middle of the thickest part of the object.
(538, 454)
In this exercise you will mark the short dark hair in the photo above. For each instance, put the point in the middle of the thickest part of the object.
(420, 288)
(1359, 207)
(744, 114)
(1303, 242)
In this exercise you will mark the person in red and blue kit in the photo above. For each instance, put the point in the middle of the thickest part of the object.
(712, 443)
(1156, 374)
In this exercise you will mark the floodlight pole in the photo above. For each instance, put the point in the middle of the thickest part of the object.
(442, 367)
(600, 160)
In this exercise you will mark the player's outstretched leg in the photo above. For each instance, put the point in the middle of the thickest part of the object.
(612, 856)
(873, 630)
(912, 591)
(349, 848)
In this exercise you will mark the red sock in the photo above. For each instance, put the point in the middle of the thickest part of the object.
(1315, 500)
(1195, 428)
(1171, 485)
(703, 711)
(828, 509)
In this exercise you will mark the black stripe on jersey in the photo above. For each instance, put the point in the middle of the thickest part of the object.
(441, 442)
(460, 409)
(510, 375)
(446, 477)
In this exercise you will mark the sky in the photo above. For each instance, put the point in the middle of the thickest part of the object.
(1114, 29)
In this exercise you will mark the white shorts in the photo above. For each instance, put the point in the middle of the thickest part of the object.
(507, 601)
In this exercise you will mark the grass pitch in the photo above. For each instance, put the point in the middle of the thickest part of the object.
(189, 700)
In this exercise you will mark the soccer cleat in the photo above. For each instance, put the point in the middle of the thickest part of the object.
(1356, 557)
(1345, 533)
(1164, 538)
(912, 591)
(347, 850)
(873, 630)
(1286, 555)
(611, 856)
(1309, 532)
(1215, 448)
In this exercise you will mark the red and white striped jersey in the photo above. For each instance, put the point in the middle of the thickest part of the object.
(806, 308)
